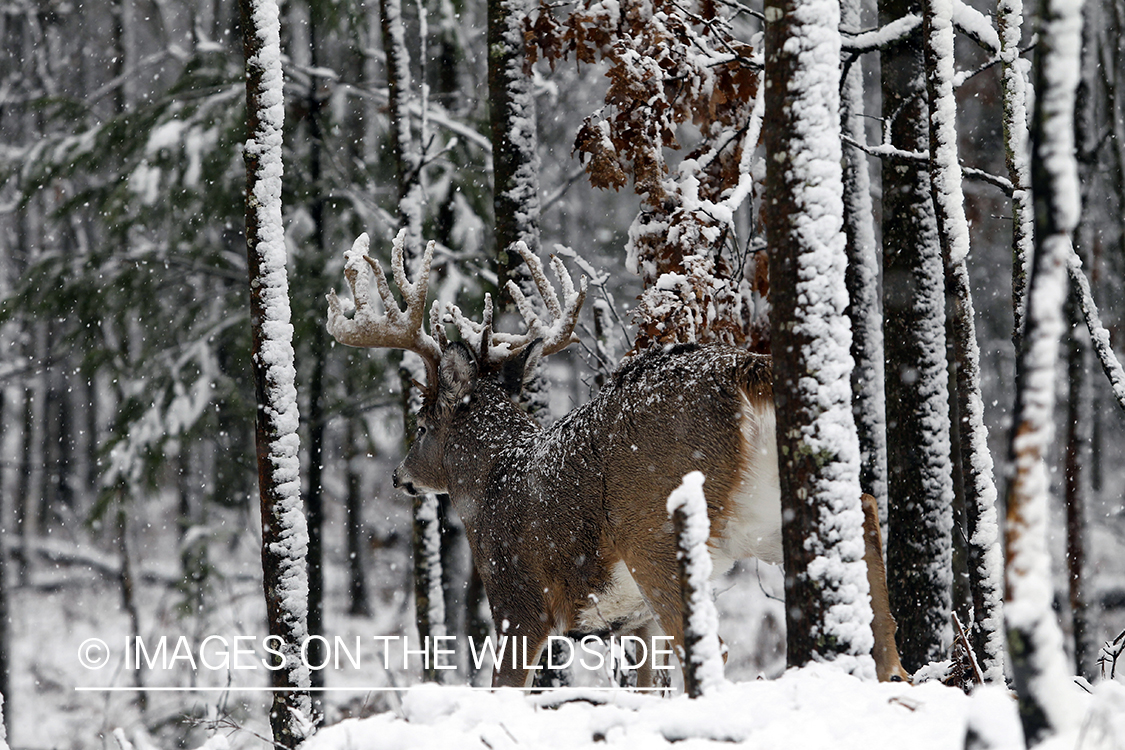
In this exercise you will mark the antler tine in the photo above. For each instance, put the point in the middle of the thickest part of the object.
(394, 328)
(437, 328)
(559, 332)
(545, 287)
(486, 329)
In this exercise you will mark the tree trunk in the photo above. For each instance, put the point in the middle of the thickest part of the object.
(5, 651)
(313, 270)
(128, 583)
(358, 604)
(1014, 84)
(920, 486)
(862, 278)
(702, 658)
(406, 154)
(977, 487)
(284, 531)
(1079, 412)
(828, 613)
(1039, 668)
(515, 157)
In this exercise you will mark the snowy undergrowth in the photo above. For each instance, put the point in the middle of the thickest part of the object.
(814, 707)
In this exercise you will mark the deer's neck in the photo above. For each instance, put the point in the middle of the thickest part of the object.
(492, 432)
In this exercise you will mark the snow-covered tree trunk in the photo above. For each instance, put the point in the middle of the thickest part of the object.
(515, 155)
(702, 659)
(515, 162)
(1039, 667)
(1014, 85)
(828, 612)
(284, 531)
(429, 598)
(406, 153)
(863, 281)
(920, 479)
(984, 556)
(426, 533)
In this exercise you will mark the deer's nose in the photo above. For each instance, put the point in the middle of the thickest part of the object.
(394, 477)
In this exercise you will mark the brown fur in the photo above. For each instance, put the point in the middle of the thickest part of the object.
(549, 514)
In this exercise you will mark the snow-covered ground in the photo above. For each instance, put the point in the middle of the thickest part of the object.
(814, 707)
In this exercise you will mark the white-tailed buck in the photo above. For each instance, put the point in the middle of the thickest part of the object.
(568, 526)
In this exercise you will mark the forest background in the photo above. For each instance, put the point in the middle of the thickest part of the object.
(128, 476)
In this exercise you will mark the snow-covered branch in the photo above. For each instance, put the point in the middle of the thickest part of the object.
(1098, 333)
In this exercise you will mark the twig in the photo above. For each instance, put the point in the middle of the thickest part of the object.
(1098, 333)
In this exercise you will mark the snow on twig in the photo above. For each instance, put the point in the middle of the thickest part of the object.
(1098, 333)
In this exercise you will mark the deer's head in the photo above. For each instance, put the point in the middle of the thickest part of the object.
(466, 418)
(468, 382)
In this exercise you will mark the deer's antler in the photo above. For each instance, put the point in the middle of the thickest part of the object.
(393, 328)
(557, 331)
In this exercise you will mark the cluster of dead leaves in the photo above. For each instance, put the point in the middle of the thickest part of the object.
(668, 62)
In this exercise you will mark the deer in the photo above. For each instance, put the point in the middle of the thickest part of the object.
(568, 526)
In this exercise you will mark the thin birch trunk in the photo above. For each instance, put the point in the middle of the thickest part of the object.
(862, 280)
(426, 533)
(1014, 85)
(984, 561)
(284, 531)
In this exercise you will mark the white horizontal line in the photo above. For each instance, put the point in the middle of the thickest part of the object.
(379, 689)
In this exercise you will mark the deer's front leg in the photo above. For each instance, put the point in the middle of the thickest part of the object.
(522, 629)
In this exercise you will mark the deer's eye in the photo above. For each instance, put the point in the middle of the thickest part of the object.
(421, 430)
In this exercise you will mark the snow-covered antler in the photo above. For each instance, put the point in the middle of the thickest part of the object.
(556, 331)
(393, 328)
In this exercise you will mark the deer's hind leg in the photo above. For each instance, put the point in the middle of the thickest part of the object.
(656, 573)
(888, 668)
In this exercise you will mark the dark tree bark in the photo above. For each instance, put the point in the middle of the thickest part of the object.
(312, 268)
(920, 488)
(817, 445)
(128, 583)
(1079, 432)
(1079, 413)
(284, 531)
(358, 604)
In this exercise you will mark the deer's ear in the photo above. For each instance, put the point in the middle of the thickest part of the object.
(457, 375)
(520, 369)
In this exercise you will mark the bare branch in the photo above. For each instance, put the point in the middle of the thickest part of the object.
(1098, 333)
